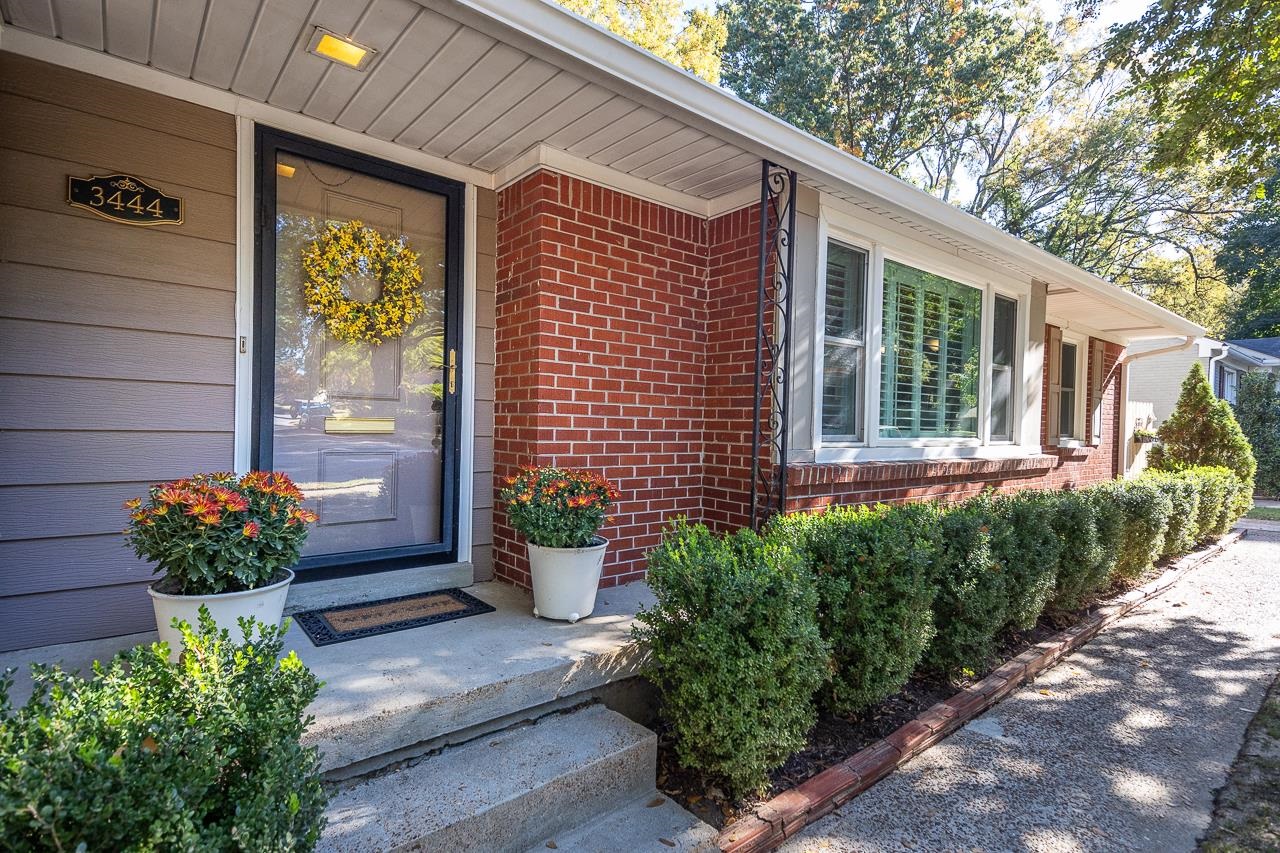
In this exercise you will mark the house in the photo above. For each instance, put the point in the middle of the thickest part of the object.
(624, 268)
(1158, 379)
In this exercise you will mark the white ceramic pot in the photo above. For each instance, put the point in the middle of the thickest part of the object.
(565, 579)
(266, 604)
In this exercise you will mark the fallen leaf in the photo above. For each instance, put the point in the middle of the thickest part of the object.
(667, 841)
(1045, 693)
(655, 802)
(551, 845)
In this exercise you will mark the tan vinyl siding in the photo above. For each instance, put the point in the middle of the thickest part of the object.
(486, 285)
(116, 342)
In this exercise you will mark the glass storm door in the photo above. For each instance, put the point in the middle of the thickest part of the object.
(369, 431)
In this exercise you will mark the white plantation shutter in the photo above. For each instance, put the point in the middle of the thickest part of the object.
(929, 378)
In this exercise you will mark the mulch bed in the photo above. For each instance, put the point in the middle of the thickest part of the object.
(835, 738)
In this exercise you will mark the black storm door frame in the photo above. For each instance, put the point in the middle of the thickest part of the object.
(268, 142)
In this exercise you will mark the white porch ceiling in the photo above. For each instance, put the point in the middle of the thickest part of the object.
(436, 84)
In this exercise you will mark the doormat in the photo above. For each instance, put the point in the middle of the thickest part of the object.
(329, 625)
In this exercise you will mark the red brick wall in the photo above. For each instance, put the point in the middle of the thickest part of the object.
(624, 343)
(601, 321)
(732, 274)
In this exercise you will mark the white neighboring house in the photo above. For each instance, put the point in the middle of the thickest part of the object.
(1156, 380)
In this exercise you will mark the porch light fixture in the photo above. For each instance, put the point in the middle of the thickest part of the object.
(340, 49)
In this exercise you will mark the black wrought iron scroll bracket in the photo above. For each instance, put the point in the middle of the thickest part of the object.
(774, 280)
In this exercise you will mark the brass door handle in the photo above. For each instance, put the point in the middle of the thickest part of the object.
(453, 371)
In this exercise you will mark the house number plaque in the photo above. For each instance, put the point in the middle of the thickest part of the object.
(124, 198)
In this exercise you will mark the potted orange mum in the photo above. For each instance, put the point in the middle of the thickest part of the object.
(222, 541)
(560, 512)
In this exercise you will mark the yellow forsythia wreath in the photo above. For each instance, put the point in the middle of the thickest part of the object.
(349, 248)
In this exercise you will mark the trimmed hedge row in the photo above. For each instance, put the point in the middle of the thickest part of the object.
(752, 633)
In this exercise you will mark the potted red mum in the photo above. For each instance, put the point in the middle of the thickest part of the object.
(223, 541)
(560, 511)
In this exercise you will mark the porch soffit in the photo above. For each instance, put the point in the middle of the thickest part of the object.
(494, 87)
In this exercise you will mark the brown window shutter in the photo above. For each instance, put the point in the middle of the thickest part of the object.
(1053, 369)
(1097, 358)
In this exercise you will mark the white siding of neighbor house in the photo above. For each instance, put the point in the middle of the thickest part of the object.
(1158, 379)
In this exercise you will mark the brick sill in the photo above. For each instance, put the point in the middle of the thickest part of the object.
(826, 473)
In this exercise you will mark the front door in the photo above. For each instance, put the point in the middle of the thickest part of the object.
(357, 406)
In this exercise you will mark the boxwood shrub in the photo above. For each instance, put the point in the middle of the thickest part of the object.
(1026, 549)
(873, 569)
(1145, 511)
(148, 755)
(1084, 564)
(851, 601)
(1216, 488)
(1183, 491)
(972, 603)
(735, 651)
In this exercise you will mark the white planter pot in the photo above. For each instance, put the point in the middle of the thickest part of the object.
(266, 604)
(565, 580)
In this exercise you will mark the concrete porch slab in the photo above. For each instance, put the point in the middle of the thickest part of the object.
(388, 696)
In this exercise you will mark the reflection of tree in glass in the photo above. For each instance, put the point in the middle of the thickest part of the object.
(296, 329)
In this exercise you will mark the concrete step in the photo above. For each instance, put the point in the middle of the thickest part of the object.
(502, 792)
(652, 824)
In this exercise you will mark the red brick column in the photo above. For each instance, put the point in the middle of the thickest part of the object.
(601, 346)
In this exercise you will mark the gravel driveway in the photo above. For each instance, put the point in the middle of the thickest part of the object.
(1119, 747)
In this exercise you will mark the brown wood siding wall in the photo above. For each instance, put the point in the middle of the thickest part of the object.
(116, 342)
(486, 285)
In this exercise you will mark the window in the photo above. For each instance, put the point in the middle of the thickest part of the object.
(1068, 380)
(1004, 359)
(1229, 385)
(844, 352)
(930, 370)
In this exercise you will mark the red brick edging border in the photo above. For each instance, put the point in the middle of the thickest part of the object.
(785, 814)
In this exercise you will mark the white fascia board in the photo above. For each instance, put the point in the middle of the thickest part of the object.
(554, 34)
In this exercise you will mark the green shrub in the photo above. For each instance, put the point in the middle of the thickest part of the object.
(1202, 430)
(735, 651)
(1112, 527)
(1257, 409)
(1217, 488)
(873, 568)
(148, 755)
(1026, 549)
(1145, 511)
(1084, 566)
(1183, 491)
(972, 601)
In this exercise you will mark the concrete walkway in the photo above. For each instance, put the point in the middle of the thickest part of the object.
(1119, 747)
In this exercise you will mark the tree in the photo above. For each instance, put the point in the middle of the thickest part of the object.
(1250, 260)
(1077, 184)
(1188, 285)
(1257, 409)
(1202, 431)
(985, 105)
(1210, 71)
(906, 85)
(691, 39)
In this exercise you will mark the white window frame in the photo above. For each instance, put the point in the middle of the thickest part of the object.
(1021, 332)
(881, 247)
(820, 335)
(1076, 436)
